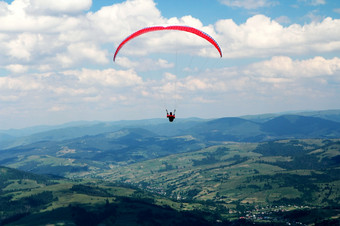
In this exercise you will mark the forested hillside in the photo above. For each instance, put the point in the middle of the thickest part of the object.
(264, 170)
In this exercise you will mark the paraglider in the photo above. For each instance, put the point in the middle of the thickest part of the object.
(175, 27)
(170, 116)
(188, 29)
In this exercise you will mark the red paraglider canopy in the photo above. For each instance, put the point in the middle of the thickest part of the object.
(175, 27)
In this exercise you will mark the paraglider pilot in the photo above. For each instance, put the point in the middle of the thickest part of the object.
(170, 116)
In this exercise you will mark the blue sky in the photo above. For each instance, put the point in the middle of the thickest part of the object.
(56, 59)
(209, 12)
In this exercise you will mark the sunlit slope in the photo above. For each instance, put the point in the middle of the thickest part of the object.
(296, 172)
(28, 199)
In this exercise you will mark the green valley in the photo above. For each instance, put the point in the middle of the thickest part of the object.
(219, 172)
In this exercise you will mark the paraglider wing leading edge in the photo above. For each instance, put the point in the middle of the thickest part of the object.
(175, 27)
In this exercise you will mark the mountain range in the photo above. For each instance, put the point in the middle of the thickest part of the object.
(280, 168)
(98, 145)
(256, 128)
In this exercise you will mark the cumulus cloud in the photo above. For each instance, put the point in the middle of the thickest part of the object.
(120, 20)
(17, 17)
(89, 82)
(82, 83)
(261, 36)
(51, 41)
(80, 52)
(58, 59)
(280, 78)
(22, 46)
(67, 93)
(60, 34)
(108, 77)
(18, 84)
(39, 38)
(280, 75)
(285, 67)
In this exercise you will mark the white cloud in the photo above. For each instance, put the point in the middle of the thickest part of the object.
(97, 84)
(9, 98)
(248, 4)
(52, 41)
(60, 6)
(18, 84)
(49, 33)
(285, 67)
(314, 2)
(22, 7)
(279, 81)
(16, 18)
(17, 68)
(43, 48)
(56, 108)
(126, 62)
(283, 20)
(169, 77)
(76, 85)
(108, 77)
(80, 52)
(120, 20)
(144, 64)
(278, 77)
(21, 48)
(261, 36)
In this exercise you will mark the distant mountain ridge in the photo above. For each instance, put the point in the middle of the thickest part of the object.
(294, 125)
(241, 129)
(127, 143)
(333, 115)
(281, 127)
